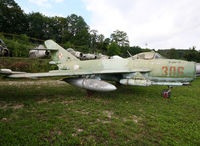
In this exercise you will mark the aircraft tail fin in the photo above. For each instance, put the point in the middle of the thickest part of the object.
(58, 54)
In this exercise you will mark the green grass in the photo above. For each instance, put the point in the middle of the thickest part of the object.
(63, 114)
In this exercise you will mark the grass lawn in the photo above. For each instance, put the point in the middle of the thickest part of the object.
(53, 113)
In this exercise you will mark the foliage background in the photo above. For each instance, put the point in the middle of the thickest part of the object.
(71, 32)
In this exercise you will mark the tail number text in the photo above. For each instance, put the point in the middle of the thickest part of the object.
(173, 70)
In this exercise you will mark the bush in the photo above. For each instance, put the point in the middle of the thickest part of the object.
(113, 49)
(26, 64)
(20, 66)
(18, 49)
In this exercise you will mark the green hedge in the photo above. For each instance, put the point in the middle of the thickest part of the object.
(26, 64)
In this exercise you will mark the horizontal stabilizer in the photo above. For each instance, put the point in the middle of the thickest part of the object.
(9, 72)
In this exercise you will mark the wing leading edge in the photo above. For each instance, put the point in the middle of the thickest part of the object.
(63, 73)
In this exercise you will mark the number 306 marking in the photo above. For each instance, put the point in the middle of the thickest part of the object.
(173, 70)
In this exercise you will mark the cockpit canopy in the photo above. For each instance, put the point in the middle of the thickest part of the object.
(148, 56)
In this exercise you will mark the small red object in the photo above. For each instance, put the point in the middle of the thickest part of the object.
(165, 94)
(89, 94)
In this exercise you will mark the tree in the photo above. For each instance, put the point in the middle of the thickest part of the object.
(81, 39)
(173, 54)
(38, 24)
(192, 55)
(57, 29)
(12, 18)
(78, 29)
(96, 40)
(120, 37)
(113, 49)
(93, 39)
(100, 42)
(75, 24)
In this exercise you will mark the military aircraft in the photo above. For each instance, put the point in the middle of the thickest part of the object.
(39, 52)
(89, 56)
(142, 70)
(4, 50)
(81, 55)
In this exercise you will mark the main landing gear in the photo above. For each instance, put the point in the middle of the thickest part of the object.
(90, 93)
(166, 93)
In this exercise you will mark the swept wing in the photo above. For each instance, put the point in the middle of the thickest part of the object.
(59, 73)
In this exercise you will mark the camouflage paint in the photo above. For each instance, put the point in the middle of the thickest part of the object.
(156, 69)
(127, 71)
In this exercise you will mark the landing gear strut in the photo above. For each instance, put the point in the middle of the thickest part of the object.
(166, 93)
(90, 93)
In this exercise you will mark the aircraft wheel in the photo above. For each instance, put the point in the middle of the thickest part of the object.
(166, 93)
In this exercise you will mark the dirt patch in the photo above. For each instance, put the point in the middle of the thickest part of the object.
(134, 118)
(102, 101)
(43, 101)
(35, 82)
(4, 119)
(92, 137)
(56, 132)
(69, 101)
(108, 114)
(141, 110)
(10, 106)
(113, 134)
(4, 106)
(82, 112)
(18, 106)
(77, 132)
(103, 121)
(97, 99)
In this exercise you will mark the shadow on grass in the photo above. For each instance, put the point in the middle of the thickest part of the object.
(48, 91)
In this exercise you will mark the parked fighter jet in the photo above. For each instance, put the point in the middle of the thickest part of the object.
(38, 52)
(198, 69)
(89, 56)
(3, 49)
(90, 74)
(81, 55)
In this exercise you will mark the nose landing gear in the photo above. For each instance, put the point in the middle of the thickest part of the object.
(166, 93)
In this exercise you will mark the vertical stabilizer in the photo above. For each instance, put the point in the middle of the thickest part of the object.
(58, 54)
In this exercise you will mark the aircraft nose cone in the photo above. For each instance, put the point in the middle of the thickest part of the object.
(198, 68)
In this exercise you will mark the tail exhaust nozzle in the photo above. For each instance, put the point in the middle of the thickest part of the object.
(198, 69)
